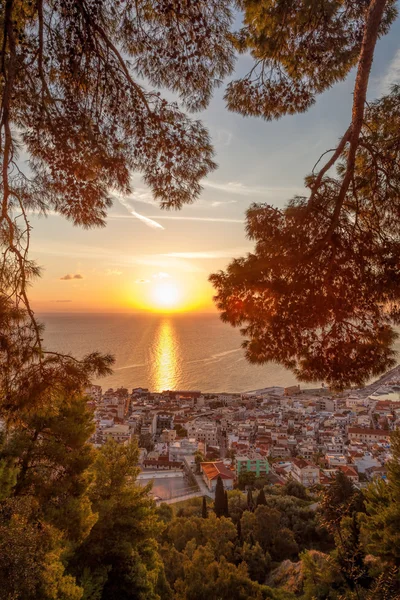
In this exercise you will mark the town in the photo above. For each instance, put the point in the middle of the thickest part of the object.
(188, 439)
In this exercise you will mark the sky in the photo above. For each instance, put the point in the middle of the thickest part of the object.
(149, 259)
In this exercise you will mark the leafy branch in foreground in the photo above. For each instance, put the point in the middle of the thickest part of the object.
(320, 294)
(75, 95)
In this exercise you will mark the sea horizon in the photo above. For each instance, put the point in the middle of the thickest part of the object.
(163, 351)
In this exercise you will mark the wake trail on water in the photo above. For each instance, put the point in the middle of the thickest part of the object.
(214, 358)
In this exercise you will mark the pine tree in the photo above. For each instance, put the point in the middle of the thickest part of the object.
(381, 524)
(350, 555)
(204, 513)
(65, 59)
(261, 499)
(120, 551)
(339, 500)
(319, 295)
(219, 501)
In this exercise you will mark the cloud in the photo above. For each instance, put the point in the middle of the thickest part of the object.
(146, 220)
(142, 281)
(229, 253)
(140, 194)
(391, 76)
(223, 137)
(161, 275)
(70, 276)
(62, 300)
(113, 272)
(182, 218)
(236, 187)
(222, 203)
(205, 219)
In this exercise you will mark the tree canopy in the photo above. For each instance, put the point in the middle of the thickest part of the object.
(79, 85)
(320, 293)
(79, 93)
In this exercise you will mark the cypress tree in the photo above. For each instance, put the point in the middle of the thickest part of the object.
(204, 508)
(226, 504)
(219, 502)
(250, 501)
(261, 499)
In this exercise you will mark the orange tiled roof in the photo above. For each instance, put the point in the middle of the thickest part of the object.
(213, 469)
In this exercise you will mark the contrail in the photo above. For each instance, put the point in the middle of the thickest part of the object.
(146, 220)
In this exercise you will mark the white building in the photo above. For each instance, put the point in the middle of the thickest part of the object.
(181, 448)
(212, 470)
(305, 472)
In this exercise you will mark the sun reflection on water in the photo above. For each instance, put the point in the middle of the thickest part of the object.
(166, 360)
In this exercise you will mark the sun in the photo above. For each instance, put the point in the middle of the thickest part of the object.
(166, 295)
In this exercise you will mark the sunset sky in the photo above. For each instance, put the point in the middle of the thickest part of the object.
(158, 260)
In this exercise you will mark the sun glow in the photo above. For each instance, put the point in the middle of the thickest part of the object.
(166, 295)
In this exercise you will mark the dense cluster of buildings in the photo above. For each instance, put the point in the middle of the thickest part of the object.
(278, 434)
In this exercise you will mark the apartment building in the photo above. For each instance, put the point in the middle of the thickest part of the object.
(254, 462)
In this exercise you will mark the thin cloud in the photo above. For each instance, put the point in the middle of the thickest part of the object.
(140, 194)
(146, 220)
(392, 75)
(205, 219)
(142, 281)
(161, 275)
(222, 203)
(223, 137)
(176, 218)
(236, 187)
(113, 272)
(62, 301)
(209, 254)
(70, 276)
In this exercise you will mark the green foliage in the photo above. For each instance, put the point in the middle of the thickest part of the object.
(120, 547)
(31, 555)
(237, 503)
(204, 577)
(288, 73)
(258, 562)
(50, 454)
(218, 532)
(8, 471)
(165, 512)
(381, 524)
(321, 576)
(296, 489)
(339, 500)
(245, 479)
(350, 555)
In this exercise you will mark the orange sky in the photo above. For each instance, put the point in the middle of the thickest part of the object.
(144, 250)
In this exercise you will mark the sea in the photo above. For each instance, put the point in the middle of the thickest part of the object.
(163, 352)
